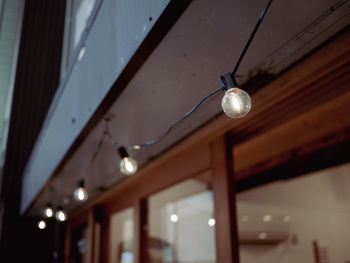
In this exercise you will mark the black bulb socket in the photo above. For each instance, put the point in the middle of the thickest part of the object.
(228, 82)
(81, 184)
(123, 152)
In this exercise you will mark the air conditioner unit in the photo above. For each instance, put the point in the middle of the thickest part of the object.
(262, 227)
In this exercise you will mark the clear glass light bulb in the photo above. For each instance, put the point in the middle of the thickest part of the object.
(80, 194)
(128, 166)
(211, 222)
(41, 224)
(236, 103)
(48, 212)
(61, 215)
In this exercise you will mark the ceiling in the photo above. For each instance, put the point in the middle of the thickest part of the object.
(202, 45)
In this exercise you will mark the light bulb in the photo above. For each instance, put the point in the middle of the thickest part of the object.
(236, 103)
(48, 212)
(128, 166)
(211, 222)
(174, 218)
(61, 215)
(41, 224)
(80, 194)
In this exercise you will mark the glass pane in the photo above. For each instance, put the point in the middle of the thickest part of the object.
(181, 223)
(304, 219)
(122, 237)
(80, 14)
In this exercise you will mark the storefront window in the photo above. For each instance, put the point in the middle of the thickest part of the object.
(182, 224)
(122, 237)
(305, 219)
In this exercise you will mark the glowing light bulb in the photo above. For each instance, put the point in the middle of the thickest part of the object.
(236, 103)
(128, 166)
(41, 224)
(174, 218)
(80, 193)
(211, 222)
(48, 212)
(61, 215)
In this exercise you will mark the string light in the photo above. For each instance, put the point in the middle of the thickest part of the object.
(60, 215)
(48, 212)
(41, 224)
(128, 165)
(80, 193)
(236, 103)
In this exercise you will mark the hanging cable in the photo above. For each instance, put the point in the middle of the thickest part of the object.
(149, 143)
(236, 103)
(241, 56)
(241, 100)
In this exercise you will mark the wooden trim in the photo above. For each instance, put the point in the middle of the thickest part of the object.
(91, 228)
(141, 233)
(67, 242)
(312, 131)
(104, 245)
(225, 204)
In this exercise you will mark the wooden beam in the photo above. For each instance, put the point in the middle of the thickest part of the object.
(94, 218)
(312, 131)
(104, 244)
(141, 233)
(299, 165)
(225, 203)
(67, 243)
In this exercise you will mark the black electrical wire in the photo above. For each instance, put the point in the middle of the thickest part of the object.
(97, 151)
(244, 50)
(149, 143)
(113, 142)
(232, 80)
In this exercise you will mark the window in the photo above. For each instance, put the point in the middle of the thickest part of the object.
(305, 219)
(181, 224)
(121, 242)
(79, 14)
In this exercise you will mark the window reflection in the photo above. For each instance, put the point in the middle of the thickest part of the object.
(178, 223)
(80, 13)
(122, 237)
